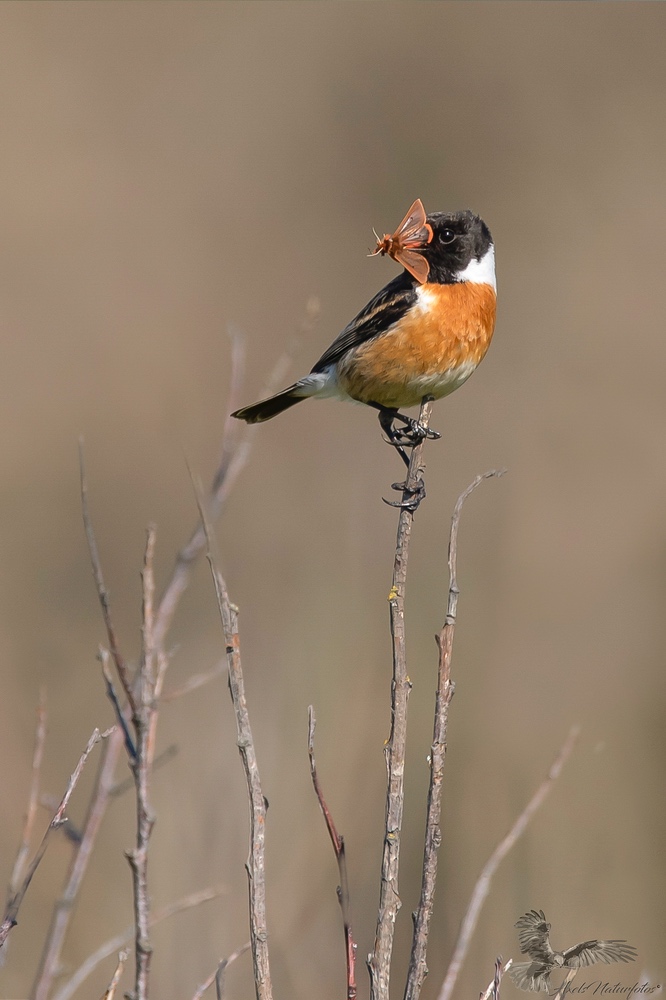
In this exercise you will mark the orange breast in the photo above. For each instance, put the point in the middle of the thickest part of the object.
(432, 350)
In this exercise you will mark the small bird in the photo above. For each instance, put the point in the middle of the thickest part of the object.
(420, 337)
(533, 938)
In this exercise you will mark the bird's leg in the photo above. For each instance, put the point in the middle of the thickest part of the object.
(394, 437)
(409, 436)
(413, 492)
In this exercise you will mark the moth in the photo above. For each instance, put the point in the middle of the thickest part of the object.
(403, 245)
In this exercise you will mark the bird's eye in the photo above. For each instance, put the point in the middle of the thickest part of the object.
(447, 236)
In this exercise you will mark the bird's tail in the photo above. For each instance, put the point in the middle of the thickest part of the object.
(528, 976)
(267, 408)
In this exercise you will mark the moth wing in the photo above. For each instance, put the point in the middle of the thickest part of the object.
(413, 231)
(413, 262)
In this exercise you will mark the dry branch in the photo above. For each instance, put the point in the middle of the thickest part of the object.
(50, 962)
(143, 691)
(379, 962)
(195, 682)
(169, 752)
(33, 798)
(144, 719)
(256, 860)
(141, 697)
(14, 903)
(67, 991)
(233, 456)
(110, 991)
(417, 963)
(493, 988)
(216, 975)
(102, 593)
(482, 887)
(104, 657)
(339, 848)
(236, 444)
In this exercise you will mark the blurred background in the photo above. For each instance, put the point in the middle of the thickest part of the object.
(171, 169)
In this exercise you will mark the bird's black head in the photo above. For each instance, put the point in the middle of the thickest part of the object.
(461, 248)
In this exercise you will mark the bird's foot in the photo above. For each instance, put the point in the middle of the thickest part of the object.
(413, 494)
(413, 432)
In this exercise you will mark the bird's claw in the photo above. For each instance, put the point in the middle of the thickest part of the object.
(415, 493)
(413, 433)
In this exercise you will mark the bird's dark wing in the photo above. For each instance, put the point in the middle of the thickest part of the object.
(589, 952)
(381, 312)
(533, 936)
(531, 976)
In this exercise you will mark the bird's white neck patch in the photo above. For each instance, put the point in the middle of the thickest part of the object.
(481, 272)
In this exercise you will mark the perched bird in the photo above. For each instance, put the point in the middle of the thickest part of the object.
(420, 337)
(533, 937)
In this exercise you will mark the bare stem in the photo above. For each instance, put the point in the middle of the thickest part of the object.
(50, 962)
(256, 860)
(110, 991)
(120, 712)
(339, 848)
(217, 973)
(234, 454)
(121, 940)
(102, 593)
(33, 798)
(195, 682)
(493, 988)
(445, 688)
(142, 694)
(379, 962)
(144, 718)
(482, 887)
(59, 818)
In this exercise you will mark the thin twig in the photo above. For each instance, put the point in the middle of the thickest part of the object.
(110, 992)
(102, 593)
(14, 903)
(120, 940)
(195, 682)
(445, 688)
(221, 968)
(379, 962)
(50, 962)
(103, 657)
(153, 660)
(144, 721)
(339, 848)
(256, 860)
(230, 464)
(234, 454)
(121, 787)
(233, 457)
(18, 870)
(482, 887)
(493, 988)
(227, 471)
(33, 798)
(147, 612)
